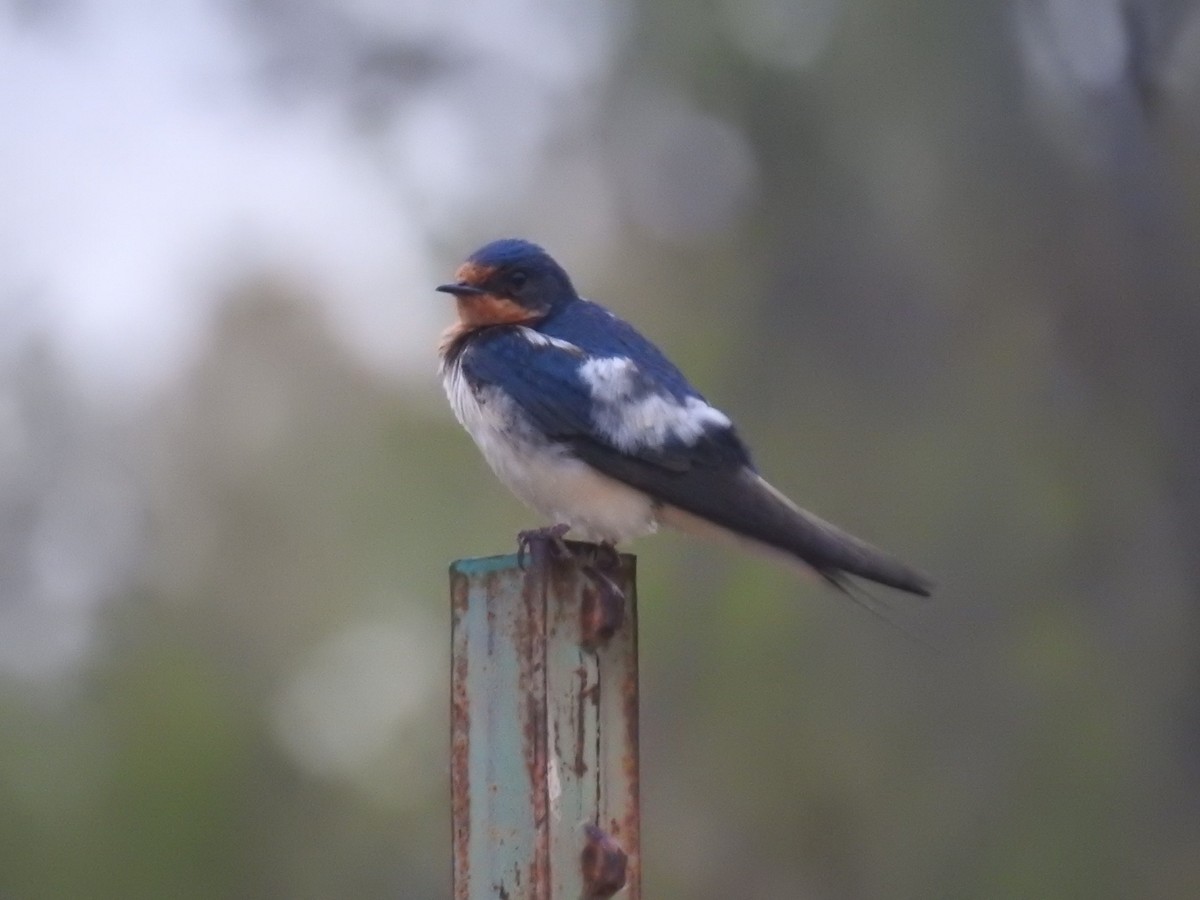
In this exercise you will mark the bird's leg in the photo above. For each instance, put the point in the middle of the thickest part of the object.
(604, 610)
(604, 605)
(607, 557)
(539, 541)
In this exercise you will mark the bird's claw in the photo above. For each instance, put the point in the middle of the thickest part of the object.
(604, 603)
(604, 607)
(536, 542)
(607, 557)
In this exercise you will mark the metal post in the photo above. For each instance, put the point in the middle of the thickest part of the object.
(544, 735)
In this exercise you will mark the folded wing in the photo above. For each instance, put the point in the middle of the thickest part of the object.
(627, 412)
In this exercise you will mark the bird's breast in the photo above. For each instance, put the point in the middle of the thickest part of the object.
(543, 473)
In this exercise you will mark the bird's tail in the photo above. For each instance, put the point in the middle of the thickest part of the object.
(829, 550)
(745, 506)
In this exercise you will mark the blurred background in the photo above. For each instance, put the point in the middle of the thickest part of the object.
(939, 259)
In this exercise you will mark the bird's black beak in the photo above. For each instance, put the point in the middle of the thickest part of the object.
(459, 289)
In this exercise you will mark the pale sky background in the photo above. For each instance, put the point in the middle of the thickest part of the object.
(146, 165)
(154, 156)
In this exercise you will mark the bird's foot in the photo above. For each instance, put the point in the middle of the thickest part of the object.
(603, 600)
(608, 559)
(604, 607)
(539, 542)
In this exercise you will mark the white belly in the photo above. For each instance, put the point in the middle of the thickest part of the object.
(544, 475)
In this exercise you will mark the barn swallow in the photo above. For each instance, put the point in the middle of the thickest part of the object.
(590, 424)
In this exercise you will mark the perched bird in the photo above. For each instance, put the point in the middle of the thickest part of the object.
(590, 424)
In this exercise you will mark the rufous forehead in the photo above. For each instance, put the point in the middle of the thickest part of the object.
(474, 273)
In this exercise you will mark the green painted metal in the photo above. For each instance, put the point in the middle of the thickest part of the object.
(544, 739)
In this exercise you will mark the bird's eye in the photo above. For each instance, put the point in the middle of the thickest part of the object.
(517, 277)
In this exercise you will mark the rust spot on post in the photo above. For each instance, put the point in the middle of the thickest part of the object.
(460, 767)
(585, 695)
(630, 827)
(603, 863)
(532, 683)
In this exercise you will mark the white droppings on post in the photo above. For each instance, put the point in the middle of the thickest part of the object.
(554, 788)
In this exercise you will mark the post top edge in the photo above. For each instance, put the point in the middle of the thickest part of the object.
(478, 565)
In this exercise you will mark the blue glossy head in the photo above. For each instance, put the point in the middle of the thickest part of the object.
(515, 271)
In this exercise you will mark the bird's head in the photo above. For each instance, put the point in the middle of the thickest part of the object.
(508, 282)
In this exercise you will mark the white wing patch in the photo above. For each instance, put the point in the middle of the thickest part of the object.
(632, 417)
(544, 340)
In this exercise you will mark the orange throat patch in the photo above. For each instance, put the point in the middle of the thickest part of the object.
(482, 310)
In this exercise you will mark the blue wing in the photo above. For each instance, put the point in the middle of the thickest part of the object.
(546, 374)
(599, 333)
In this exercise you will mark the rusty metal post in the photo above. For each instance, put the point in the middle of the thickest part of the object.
(544, 734)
